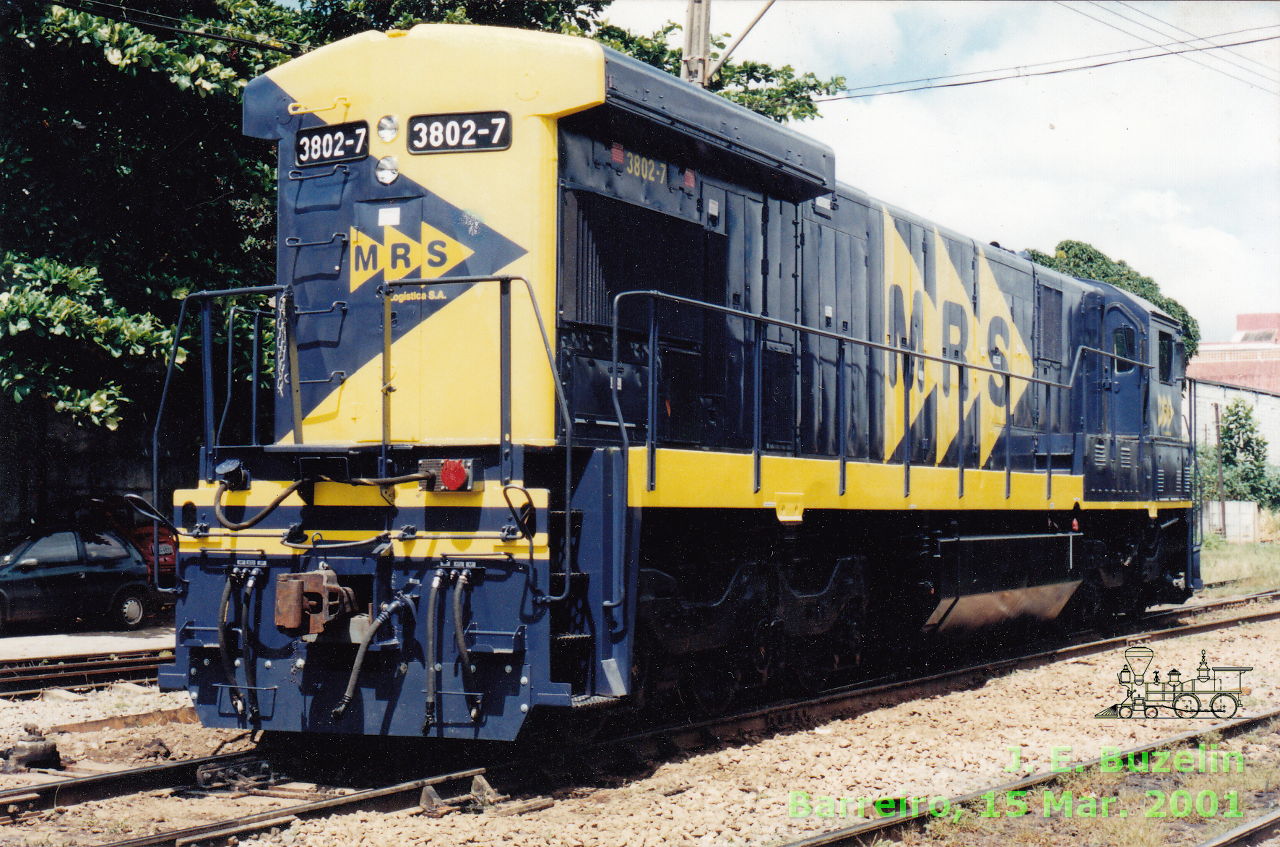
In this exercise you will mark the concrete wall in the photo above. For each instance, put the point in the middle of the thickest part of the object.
(1266, 412)
(1244, 522)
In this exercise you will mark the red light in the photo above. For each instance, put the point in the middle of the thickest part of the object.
(1075, 524)
(690, 179)
(453, 474)
(616, 153)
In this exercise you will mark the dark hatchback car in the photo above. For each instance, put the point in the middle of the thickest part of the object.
(60, 575)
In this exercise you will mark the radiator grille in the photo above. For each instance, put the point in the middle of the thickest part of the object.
(1100, 453)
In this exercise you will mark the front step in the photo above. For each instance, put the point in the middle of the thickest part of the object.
(591, 701)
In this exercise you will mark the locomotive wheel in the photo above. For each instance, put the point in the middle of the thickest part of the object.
(1087, 607)
(1125, 712)
(811, 663)
(641, 673)
(1151, 712)
(1186, 705)
(708, 687)
(1223, 705)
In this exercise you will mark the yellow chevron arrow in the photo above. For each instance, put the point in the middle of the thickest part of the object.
(397, 256)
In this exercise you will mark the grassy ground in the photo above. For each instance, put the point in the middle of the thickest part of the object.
(1255, 566)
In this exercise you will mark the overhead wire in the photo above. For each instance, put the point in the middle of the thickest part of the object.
(1118, 28)
(1128, 52)
(1213, 68)
(1236, 53)
(1021, 75)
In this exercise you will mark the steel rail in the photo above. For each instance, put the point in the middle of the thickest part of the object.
(1243, 834)
(854, 835)
(403, 795)
(25, 800)
(25, 677)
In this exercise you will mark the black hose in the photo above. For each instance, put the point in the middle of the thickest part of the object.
(458, 634)
(224, 650)
(348, 695)
(432, 675)
(247, 658)
(256, 519)
(388, 480)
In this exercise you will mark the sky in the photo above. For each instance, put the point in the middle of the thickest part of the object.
(1164, 163)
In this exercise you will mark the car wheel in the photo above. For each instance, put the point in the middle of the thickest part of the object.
(129, 609)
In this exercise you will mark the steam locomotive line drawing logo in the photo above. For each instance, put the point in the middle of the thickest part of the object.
(1214, 692)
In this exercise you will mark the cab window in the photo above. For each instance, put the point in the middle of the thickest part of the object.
(1165, 353)
(1123, 346)
(57, 549)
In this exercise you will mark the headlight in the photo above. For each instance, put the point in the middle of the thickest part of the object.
(388, 126)
(387, 170)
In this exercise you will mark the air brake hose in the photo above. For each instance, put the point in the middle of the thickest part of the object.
(430, 659)
(250, 662)
(383, 616)
(224, 650)
(459, 634)
(256, 519)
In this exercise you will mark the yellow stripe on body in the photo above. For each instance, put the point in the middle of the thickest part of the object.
(407, 495)
(269, 543)
(692, 479)
(446, 380)
(335, 494)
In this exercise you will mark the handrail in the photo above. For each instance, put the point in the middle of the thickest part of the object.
(197, 297)
(907, 354)
(505, 399)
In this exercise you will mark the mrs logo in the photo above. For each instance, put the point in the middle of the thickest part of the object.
(398, 256)
(1164, 415)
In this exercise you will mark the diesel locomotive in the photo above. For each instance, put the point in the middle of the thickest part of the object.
(579, 385)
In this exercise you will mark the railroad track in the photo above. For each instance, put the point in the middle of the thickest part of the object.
(1250, 832)
(251, 774)
(872, 831)
(28, 677)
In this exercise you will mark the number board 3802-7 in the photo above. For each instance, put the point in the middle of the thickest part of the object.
(460, 132)
(324, 145)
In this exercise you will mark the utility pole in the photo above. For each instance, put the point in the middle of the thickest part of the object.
(1217, 437)
(698, 67)
(697, 43)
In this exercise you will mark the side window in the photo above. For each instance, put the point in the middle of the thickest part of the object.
(1165, 353)
(104, 548)
(57, 549)
(1123, 345)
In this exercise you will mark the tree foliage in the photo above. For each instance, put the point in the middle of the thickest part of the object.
(1088, 262)
(125, 182)
(60, 331)
(1242, 452)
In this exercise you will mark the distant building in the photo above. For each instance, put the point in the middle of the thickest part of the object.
(1265, 406)
(1251, 359)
